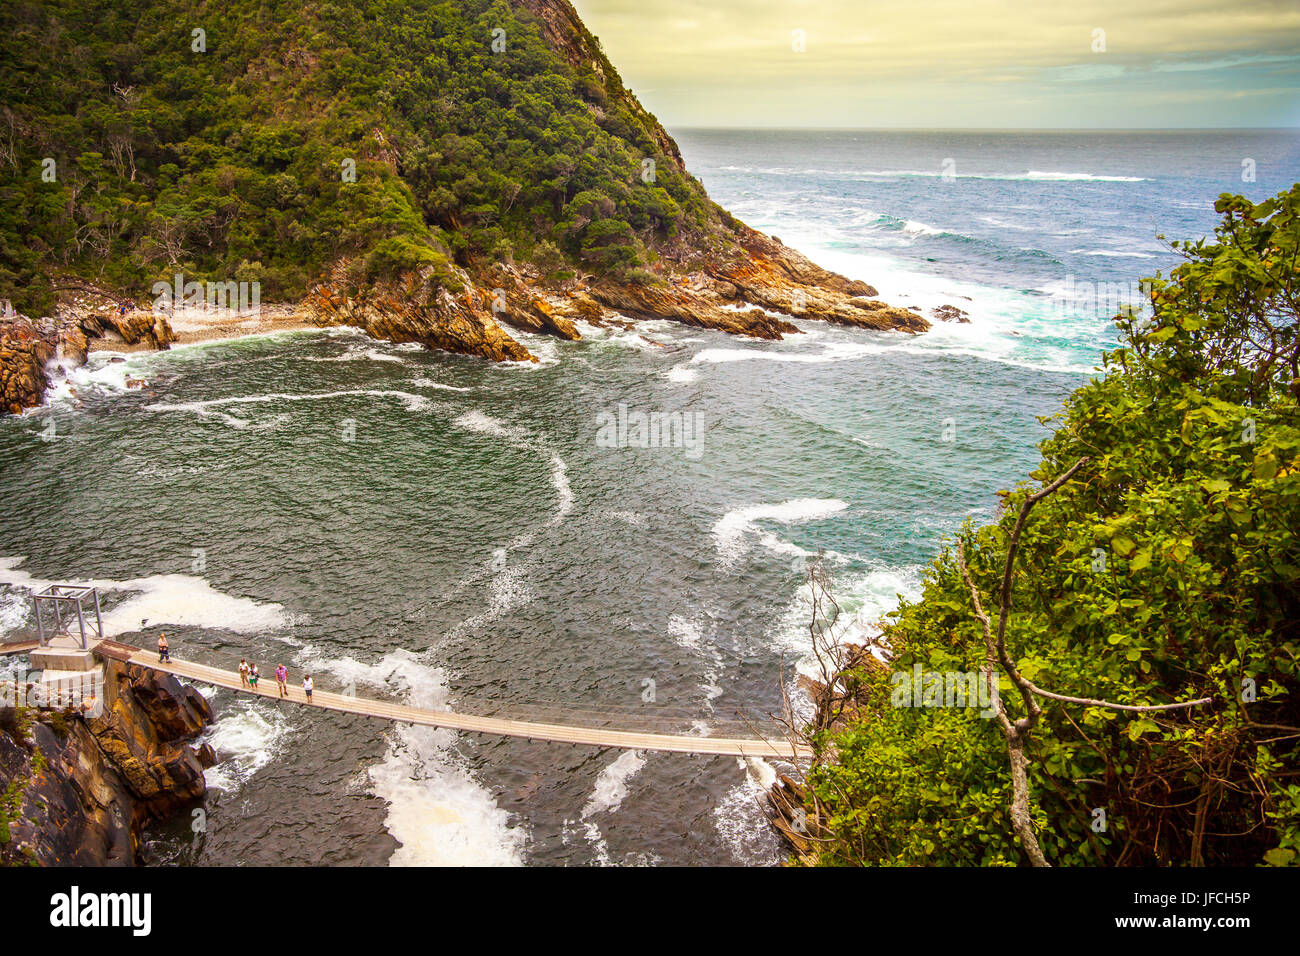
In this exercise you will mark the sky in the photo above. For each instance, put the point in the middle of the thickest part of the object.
(948, 64)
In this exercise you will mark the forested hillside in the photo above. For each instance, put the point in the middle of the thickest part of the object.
(266, 139)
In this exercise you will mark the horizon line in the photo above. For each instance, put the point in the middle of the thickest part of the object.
(992, 129)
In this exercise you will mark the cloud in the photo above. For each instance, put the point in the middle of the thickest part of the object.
(952, 62)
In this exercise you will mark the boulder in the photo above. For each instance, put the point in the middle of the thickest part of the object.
(132, 328)
(207, 756)
(949, 313)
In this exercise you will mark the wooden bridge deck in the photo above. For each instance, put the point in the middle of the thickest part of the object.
(369, 707)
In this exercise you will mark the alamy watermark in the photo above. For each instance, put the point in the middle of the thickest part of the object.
(226, 299)
(629, 428)
(83, 693)
(75, 909)
(1100, 299)
(955, 689)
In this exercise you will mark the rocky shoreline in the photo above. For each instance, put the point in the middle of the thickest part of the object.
(79, 790)
(31, 349)
(753, 293)
(835, 705)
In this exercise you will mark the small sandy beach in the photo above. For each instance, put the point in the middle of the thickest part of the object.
(205, 325)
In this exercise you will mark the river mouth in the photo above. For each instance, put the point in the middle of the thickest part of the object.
(444, 531)
(447, 532)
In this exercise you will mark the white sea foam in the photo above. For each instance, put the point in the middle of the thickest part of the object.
(831, 352)
(732, 530)
(483, 423)
(12, 667)
(1079, 177)
(180, 600)
(1032, 175)
(690, 636)
(104, 374)
(685, 633)
(430, 383)
(1006, 326)
(739, 817)
(1112, 254)
(357, 353)
(509, 588)
(14, 608)
(186, 600)
(635, 519)
(864, 598)
(375, 355)
(246, 737)
(97, 373)
(508, 591)
(563, 491)
(608, 794)
(1005, 224)
(209, 408)
(912, 227)
(682, 374)
(712, 690)
(439, 813)
(544, 348)
(611, 787)
(633, 339)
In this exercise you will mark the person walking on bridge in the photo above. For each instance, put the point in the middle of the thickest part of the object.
(307, 687)
(164, 650)
(253, 675)
(243, 672)
(282, 678)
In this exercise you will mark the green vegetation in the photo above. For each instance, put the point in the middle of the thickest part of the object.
(17, 723)
(10, 803)
(236, 162)
(1165, 569)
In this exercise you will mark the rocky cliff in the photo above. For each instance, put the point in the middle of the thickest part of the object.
(78, 790)
(25, 351)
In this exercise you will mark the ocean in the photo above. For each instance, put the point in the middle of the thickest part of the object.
(442, 531)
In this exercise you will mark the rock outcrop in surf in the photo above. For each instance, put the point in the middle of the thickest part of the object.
(30, 349)
(754, 291)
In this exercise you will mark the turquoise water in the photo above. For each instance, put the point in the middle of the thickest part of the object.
(439, 530)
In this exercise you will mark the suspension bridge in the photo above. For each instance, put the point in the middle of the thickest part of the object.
(603, 736)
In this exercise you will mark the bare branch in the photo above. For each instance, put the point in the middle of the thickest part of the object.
(1090, 702)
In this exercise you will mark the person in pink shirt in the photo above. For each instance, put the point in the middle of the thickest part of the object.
(282, 678)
